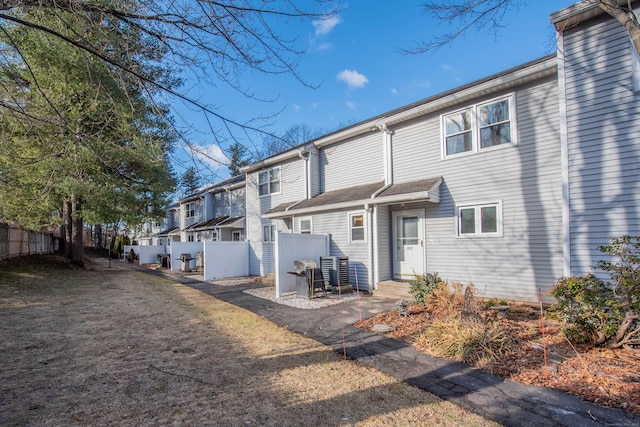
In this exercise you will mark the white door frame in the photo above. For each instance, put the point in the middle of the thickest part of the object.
(418, 267)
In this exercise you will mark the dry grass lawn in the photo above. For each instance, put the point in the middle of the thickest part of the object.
(120, 347)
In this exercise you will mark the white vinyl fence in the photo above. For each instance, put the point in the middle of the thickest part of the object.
(291, 247)
(225, 259)
(16, 241)
(178, 248)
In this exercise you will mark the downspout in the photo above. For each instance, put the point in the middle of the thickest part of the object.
(374, 249)
(564, 157)
(304, 155)
(370, 272)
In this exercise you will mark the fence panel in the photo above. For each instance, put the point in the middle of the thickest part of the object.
(16, 241)
(178, 248)
(225, 259)
(291, 247)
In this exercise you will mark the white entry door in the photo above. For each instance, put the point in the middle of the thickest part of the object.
(408, 236)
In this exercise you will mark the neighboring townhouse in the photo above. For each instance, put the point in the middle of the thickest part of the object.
(167, 231)
(467, 183)
(599, 78)
(214, 213)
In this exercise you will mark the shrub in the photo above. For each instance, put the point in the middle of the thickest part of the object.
(598, 311)
(423, 286)
(446, 299)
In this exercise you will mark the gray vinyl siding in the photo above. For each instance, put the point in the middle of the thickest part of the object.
(353, 162)
(261, 254)
(336, 224)
(602, 129)
(525, 178)
(385, 260)
(230, 203)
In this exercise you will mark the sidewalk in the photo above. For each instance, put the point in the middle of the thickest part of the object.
(491, 396)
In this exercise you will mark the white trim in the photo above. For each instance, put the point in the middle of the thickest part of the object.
(564, 156)
(299, 222)
(364, 226)
(420, 213)
(475, 127)
(268, 172)
(477, 207)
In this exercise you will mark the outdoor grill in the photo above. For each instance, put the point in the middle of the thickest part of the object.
(309, 279)
(185, 258)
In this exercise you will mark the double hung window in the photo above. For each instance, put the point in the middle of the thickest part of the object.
(304, 225)
(356, 227)
(190, 210)
(478, 127)
(269, 182)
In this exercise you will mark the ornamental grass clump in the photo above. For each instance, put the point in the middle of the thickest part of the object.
(477, 344)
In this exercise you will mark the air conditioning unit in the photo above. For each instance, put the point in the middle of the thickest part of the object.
(335, 269)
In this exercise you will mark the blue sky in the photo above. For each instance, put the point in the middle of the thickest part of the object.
(355, 60)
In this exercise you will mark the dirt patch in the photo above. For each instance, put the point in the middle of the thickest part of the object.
(116, 346)
(609, 378)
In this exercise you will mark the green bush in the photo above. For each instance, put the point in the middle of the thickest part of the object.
(423, 286)
(604, 312)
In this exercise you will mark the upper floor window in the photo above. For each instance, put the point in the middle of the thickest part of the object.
(478, 127)
(356, 227)
(269, 182)
(482, 219)
(190, 210)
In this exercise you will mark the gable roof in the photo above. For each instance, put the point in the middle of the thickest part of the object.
(375, 193)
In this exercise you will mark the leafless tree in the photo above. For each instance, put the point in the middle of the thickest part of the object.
(491, 14)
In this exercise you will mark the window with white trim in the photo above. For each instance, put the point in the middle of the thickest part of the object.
(190, 210)
(214, 236)
(269, 182)
(356, 227)
(235, 236)
(478, 127)
(480, 220)
(269, 233)
(305, 225)
(190, 238)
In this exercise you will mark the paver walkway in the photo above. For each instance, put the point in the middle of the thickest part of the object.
(491, 396)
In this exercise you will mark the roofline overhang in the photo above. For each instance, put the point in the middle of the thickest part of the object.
(579, 12)
(278, 158)
(418, 196)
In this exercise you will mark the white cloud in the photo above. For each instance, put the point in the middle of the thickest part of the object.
(353, 79)
(324, 26)
(393, 91)
(351, 105)
(211, 155)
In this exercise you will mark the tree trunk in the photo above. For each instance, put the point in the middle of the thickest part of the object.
(77, 247)
(98, 237)
(68, 227)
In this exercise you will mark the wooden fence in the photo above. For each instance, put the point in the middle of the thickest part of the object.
(16, 241)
